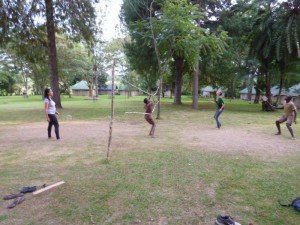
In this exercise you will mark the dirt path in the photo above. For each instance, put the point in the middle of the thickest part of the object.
(241, 141)
(77, 134)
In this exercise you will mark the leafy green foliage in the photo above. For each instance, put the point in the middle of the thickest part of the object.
(23, 18)
(21, 22)
(173, 26)
(7, 83)
(275, 38)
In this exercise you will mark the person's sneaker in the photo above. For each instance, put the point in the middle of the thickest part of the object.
(278, 133)
(225, 220)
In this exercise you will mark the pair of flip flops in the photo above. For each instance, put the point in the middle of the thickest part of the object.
(19, 198)
(12, 196)
(16, 202)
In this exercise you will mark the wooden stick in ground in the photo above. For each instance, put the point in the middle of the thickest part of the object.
(112, 109)
(48, 187)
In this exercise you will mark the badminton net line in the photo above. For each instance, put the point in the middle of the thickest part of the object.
(152, 95)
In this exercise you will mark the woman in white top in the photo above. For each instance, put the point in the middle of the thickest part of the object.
(50, 112)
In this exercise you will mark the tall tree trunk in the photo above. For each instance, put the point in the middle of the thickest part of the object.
(232, 85)
(159, 97)
(172, 90)
(179, 64)
(249, 94)
(25, 80)
(249, 86)
(52, 52)
(91, 90)
(266, 105)
(282, 73)
(268, 86)
(195, 104)
(280, 89)
(257, 95)
(195, 85)
(260, 84)
(96, 79)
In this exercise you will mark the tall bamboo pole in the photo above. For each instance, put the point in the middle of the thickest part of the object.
(112, 109)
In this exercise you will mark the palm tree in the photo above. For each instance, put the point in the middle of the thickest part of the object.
(275, 38)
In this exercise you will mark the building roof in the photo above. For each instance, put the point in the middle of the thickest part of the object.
(107, 86)
(245, 91)
(82, 85)
(211, 89)
(292, 91)
(285, 91)
(118, 85)
(295, 89)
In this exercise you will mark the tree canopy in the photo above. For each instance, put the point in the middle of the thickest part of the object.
(38, 21)
(186, 43)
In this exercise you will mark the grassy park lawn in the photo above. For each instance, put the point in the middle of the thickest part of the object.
(187, 174)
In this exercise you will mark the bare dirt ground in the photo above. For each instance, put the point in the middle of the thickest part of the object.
(244, 141)
(76, 134)
(32, 138)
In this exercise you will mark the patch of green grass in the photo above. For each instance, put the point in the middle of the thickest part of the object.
(3, 218)
(173, 184)
(16, 109)
(152, 181)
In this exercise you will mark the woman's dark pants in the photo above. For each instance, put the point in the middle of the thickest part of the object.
(53, 121)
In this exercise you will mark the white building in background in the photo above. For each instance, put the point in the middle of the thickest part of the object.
(82, 89)
(244, 94)
(293, 91)
(209, 91)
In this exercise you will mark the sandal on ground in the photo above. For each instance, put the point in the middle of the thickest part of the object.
(16, 202)
(12, 196)
(28, 189)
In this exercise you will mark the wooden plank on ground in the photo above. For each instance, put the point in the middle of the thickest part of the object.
(48, 187)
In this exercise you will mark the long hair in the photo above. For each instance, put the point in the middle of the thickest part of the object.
(46, 92)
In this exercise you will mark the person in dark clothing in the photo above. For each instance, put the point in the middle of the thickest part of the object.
(50, 113)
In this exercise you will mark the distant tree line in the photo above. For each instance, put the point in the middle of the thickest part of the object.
(187, 44)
